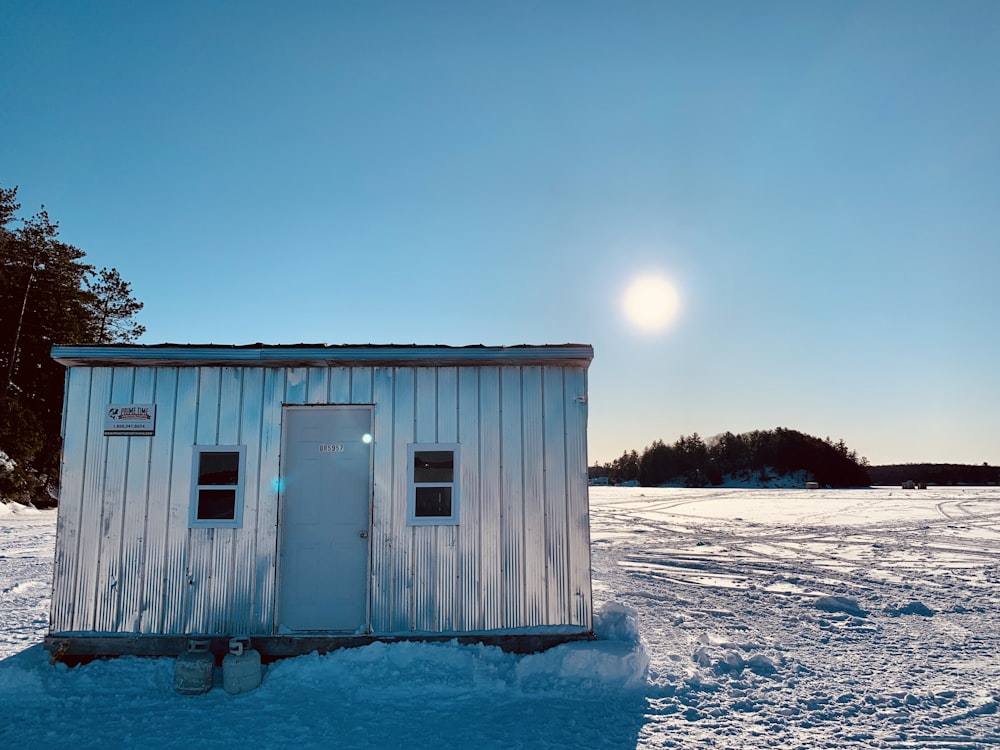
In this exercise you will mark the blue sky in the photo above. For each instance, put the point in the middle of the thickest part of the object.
(819, 181)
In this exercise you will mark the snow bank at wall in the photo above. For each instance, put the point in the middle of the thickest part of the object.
(616, 658)
(616, 622)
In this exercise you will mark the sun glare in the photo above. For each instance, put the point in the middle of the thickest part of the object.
(651, 303)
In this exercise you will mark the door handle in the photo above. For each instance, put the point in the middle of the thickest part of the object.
(363, 534)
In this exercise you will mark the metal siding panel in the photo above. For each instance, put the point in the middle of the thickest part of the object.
(219, 604)
(400, 565)
(109, 573)
(230, 414)
(512, 497)
(243, 581)
(209, 388)
(384, 466)
(361, 390)
(426, 405)
(446, 579)
(296, 384)
(158, 500)
(361, 385)
(446, 537)
(175, 576)
(90, 526)
(125, 563)
(556, 538)
(577, 496)
(318, 390)
(199, 578)
(200, 554)
(492, 592)
(424, 591)
(340, 385)
(134, 531)
(265, 559)
(532, 431)
(68, 562)
(447, 405)
(469, 610)
(424, 560)
(201, 540)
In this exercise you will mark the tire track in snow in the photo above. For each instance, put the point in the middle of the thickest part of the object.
(849, 558)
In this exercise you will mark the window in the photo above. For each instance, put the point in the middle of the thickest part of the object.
(432, 476)
(217, 499)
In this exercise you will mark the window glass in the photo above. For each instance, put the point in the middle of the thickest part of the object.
(216, 505)
(432, 501)
(433, 496)
(219, 468)
(217, 487)
(433, 466)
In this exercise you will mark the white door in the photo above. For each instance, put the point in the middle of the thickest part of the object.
(326, 472)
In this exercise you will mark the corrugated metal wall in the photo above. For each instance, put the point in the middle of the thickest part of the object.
(126, 561)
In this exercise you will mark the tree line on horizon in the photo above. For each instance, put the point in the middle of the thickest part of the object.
(48, 295)
(939, 474)
(695, 462)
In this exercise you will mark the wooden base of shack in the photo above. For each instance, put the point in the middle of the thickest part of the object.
(80, 649)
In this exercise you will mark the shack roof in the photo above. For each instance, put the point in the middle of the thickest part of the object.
(318, 355)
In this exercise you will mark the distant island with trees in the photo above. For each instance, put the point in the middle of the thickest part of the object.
(941, 474)
(766, 457)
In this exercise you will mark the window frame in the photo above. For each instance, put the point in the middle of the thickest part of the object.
(236, 522)
(412, 519)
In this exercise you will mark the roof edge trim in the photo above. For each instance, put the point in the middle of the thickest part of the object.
(260, 355)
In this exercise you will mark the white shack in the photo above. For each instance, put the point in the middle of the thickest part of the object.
(315, 496)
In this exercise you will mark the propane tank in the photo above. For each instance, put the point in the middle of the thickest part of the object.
(193, 673)
(240, 667)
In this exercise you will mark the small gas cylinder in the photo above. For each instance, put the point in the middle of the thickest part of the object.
(194, 670)
(240, 667)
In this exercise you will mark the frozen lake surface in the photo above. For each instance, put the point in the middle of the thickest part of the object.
(731, 618)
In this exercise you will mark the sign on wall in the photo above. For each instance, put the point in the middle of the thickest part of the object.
(130, 419)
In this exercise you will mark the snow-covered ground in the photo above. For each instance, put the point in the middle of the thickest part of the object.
(768, 618)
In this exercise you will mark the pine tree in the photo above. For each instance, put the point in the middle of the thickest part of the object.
(113, 308)
(47, 297)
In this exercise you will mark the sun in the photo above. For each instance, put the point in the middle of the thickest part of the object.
(651, 303)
